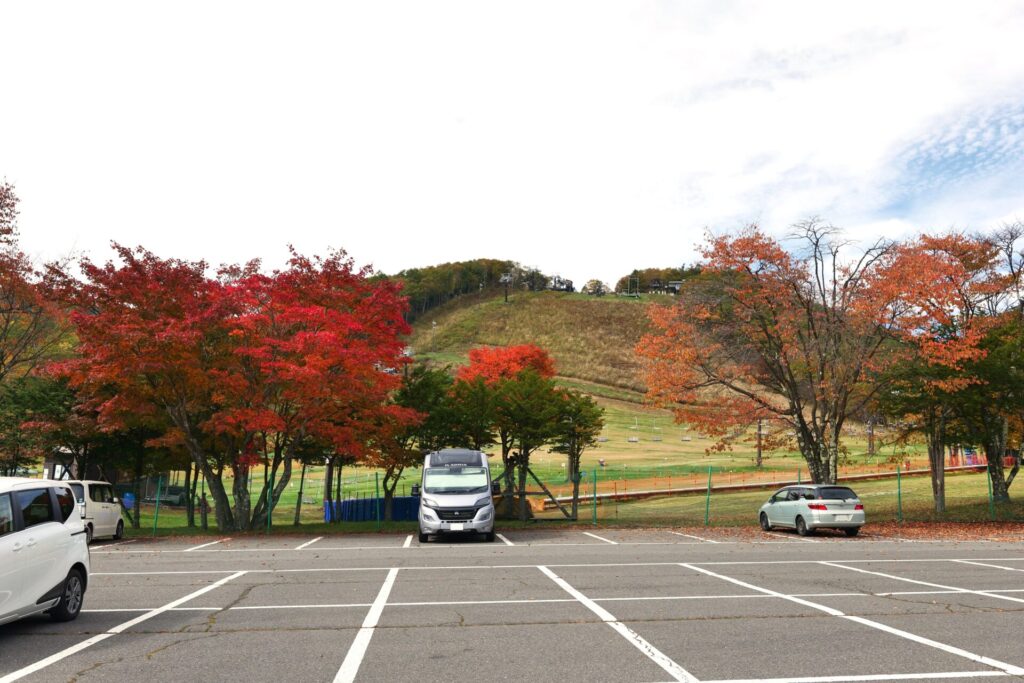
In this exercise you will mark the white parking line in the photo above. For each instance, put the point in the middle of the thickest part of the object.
(699, 538)
(504, 540)
(994, 663)
(993, 566)
(924, 583)
(408, 541)
(204, 545)
(600, 538)
(67, 652)
(795, 537)
(309, 543)
(338, 605)
(869, 677)
(150, 609)
(739, 563)
(111, 545)
(677, 672)
(356, 652)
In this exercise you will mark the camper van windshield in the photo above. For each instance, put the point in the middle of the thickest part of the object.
(455, 480)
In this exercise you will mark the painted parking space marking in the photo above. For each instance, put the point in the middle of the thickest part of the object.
(951, 649)
(925, 583)
(309, 543)
(992, 566)
(356, 652)
(408, 541)
(600, 538)
(699, 538)
(504, 540)
(867, 677)
(78, 647)
(673, 669)
(204, 545)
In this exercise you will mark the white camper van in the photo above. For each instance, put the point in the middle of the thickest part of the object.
(455, 496)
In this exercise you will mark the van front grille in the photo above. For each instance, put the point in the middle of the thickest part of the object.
(457, 514)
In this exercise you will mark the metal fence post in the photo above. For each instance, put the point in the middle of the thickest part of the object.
(707, 500)
(595, 498)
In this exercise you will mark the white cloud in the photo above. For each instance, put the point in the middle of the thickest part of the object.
(585, 138)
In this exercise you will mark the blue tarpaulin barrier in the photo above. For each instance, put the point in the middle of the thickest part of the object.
(403, 509)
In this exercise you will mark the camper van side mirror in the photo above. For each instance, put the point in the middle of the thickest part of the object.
(495, 487)
(415, 490)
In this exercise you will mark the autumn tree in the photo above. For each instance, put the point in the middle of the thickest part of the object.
(426, 426)
(578, 425)
(32, 328)
(482, 378)
(801, 336)
(527, 411)
(245, 366)
(949, 283)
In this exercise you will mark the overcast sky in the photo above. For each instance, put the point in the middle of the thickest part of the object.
(582, 138)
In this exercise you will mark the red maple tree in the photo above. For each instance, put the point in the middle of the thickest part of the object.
(246, 365)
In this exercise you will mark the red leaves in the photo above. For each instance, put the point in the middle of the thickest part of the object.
(306, 352)
(505, 362)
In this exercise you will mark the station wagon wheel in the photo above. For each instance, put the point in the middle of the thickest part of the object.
(119, 531)
(70, 598)
(801, 527)
(423, 537)
(765, 524)
(88, 534)
(852, 530)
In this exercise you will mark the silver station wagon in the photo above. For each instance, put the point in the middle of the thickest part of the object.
(816, 506)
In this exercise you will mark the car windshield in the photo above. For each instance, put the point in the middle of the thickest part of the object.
(455, 480)
(837, 493)
(79, 492)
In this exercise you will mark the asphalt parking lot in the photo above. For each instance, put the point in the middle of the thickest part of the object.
(602, 605)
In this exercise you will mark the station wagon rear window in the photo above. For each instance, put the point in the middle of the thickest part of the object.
(836, 493)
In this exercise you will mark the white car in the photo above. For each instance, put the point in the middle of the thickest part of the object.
(102, 510)
(809, 507)
(44, 557)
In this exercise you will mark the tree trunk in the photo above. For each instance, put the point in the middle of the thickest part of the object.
(298, 502)
(523, 503)
(936, 438)
(576, 497)
(995, 450)
(391, 477)
(243, 506)
(329, 481)
(190, 518)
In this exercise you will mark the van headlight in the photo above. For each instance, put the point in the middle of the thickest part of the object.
(483, 502)
(429, 503)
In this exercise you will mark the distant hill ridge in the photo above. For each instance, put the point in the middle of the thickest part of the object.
(591, 338)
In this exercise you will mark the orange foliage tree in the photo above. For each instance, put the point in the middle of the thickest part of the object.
(802, 337)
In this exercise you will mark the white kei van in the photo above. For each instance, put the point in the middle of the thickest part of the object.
(101, 510)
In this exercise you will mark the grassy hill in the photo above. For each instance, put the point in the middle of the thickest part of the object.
(590, 338)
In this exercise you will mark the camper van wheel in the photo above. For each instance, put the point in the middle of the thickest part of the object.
(489, 537)
(423, 537)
